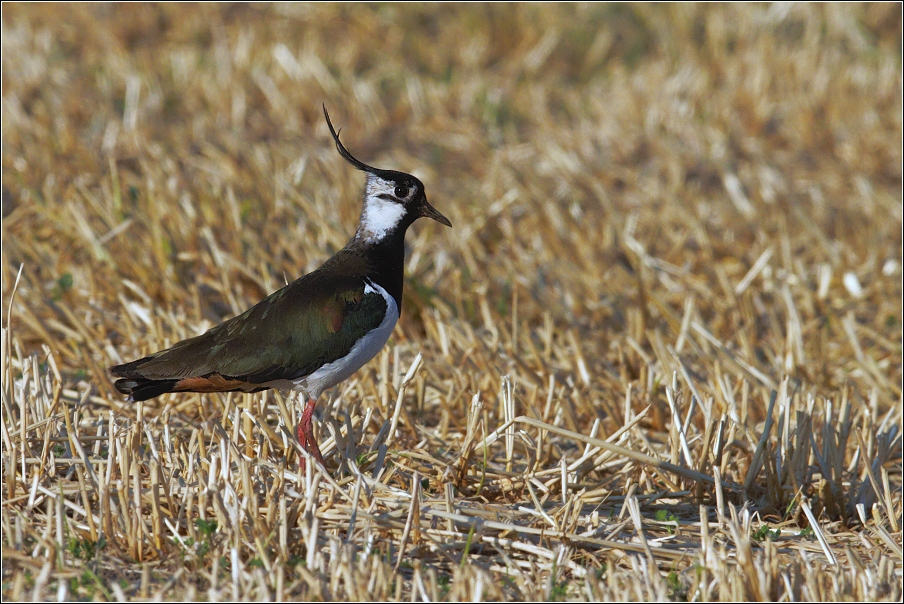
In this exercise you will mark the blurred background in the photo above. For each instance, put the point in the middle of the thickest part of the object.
(612, 172)
(663, 214)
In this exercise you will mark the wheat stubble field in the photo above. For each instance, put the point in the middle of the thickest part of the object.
(657, 357)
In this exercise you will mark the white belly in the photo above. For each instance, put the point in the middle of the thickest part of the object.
(364, 350)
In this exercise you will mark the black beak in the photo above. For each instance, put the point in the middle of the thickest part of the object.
(428, 211)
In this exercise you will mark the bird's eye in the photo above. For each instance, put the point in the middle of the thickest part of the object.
(401, 192)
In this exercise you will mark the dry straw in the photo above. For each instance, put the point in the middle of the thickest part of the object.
(658, 357)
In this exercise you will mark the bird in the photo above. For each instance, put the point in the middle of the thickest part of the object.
(316, 331)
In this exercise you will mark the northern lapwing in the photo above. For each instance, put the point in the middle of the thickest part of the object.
(316, 331)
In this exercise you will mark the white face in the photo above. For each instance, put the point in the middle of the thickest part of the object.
(381, 212)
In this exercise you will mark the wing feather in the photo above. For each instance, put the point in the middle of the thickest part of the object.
(288, 335)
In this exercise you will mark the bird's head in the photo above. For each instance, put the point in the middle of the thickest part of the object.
(391, 199)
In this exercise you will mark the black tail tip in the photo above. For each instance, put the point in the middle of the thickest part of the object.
(144, 389)
(125, 386)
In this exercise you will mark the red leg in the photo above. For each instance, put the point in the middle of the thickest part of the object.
(303, 441)
(306, 434)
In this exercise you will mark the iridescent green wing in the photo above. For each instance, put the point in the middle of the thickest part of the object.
(310, 322)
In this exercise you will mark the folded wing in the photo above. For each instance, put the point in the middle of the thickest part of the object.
(287, 336)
